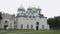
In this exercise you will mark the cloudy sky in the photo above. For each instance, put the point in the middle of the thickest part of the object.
(50, 8)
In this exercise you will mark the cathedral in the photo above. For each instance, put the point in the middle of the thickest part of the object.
(26, 19)
(31, 19)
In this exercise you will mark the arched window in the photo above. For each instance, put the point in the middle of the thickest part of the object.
(14, 22)
(5, 21)
(29, 16)
(37, 27)
(42, 26)
(5, 24)
(27, 26)
(37, 23)
(33, 17)
(31, 26)
(21, 26)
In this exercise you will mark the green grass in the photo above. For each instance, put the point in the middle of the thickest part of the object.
(31, 32)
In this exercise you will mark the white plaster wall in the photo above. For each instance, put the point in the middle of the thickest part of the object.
(3, 21)
(24, 21)
(12, 24)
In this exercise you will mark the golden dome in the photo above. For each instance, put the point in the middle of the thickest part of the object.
(33, 6)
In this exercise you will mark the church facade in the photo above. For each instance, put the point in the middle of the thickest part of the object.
(7, 21)
(31, 19)
(25, 19)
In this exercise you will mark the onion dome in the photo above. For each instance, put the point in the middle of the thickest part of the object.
(21, 8)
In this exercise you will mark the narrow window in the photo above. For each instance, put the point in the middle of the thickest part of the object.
(31, 26)
(37, 23)
(5, 25)
(21, 26)
(29, 16)
(5, 21)
(27, 26)
(14, 22)
(42, 26)
(14, 25)
(33, 17)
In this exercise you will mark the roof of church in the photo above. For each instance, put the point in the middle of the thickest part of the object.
(21, 8)
(28, 14)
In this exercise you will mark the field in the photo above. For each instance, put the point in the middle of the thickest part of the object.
(31, 32)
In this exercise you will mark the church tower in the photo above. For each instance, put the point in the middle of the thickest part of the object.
(33, 11)
(21, 11)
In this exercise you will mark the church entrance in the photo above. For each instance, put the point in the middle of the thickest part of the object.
(37, 27)
(5, 25)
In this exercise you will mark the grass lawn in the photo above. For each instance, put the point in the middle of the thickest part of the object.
(31, 32)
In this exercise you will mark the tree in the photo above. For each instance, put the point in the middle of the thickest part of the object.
(0, 19)
(54, 23)
(0, 15)
(51, 22)
(57, 22)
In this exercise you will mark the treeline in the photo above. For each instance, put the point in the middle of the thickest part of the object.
(54, 23)
(0, 15)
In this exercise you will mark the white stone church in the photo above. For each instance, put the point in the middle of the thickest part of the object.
(25, 19)
(31, 19)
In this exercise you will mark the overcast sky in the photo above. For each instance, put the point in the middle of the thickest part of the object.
(50, 8)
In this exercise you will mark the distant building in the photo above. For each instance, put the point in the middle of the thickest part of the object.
(7, 21)
(31, 19)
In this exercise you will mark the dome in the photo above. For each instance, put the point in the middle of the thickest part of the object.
(39, 8)
(21, 8)
(33, 6)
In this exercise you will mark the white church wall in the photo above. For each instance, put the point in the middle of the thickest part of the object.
(29, 21)
(12, 24)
